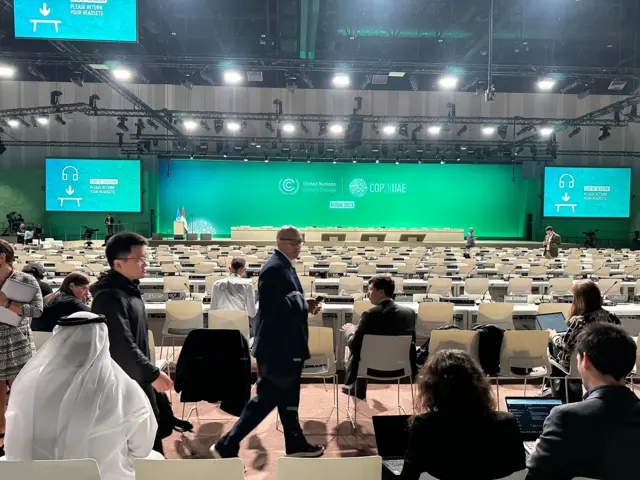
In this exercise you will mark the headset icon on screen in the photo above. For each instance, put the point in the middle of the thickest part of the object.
(65, 175)
(571, 181)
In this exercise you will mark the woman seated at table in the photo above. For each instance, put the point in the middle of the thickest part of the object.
(459, 415)
(71, 298)
(73, 401)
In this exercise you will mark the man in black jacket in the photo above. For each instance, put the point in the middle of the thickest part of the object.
(600, 436)
(280, 348)
(116, 296)
(386, 318)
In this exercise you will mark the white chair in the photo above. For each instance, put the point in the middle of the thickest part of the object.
(560, 286)
(350, 284)
(521, 475)
(85, 469)
(178, 283)
(570, 374)
(170, 269)
(205, 268)
(433, 315)
(398, 284)
(308, 284)
(524, 349)
(477, 288)
(337, 269)
(40, 338)
(227, 469)
(229, 320)
(396, 358)
(65, 268)
(366, 270)
(182, 316)
(519, 286)
(439, 286)
(498, 314)
(361, 468)
(465, 340)
(610, 286)
(359, 307)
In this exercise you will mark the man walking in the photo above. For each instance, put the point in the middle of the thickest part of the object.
(116, 296)
(280, 348)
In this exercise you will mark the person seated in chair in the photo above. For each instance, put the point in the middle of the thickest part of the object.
(234, 292)
(386, 318)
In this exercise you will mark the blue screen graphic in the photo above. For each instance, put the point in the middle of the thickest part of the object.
(95, 20)
(76, 185)
(587, 192)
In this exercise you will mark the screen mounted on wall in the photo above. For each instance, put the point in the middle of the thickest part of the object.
(79, 185)
(587, 192)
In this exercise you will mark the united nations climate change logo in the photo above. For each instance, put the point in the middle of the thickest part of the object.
(358, 187)
(289, 186)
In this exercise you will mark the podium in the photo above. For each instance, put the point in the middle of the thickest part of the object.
(179, 231)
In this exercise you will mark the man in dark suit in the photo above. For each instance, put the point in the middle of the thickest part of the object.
(551, 243)
(386, 318)
(600, 436)
(280, 348)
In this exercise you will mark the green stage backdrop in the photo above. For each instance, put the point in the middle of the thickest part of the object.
(217, 195)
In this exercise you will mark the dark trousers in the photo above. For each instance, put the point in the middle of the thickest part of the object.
(151, 395)
(274, 390)
(558, 387)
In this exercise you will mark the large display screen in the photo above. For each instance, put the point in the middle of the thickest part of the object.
(78, 185)
(217, 195)
(587, 192)
(94, 20)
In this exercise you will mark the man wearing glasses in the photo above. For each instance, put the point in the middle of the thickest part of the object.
(280, 348)
(116, 296)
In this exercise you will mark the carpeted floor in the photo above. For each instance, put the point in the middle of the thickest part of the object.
(318, 417)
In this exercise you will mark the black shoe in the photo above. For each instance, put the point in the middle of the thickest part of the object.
(215, 453)
(347, 390)
(307, 451)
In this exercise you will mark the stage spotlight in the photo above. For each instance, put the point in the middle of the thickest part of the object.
(546, 84)
(7, 71)
(55, 97)
(448, 82)
(288, 128)
(269, 127)
(122, 74)
(304, 128)
(23, 122)
(502, 132)
(322, 129)
(13, 123)
(218, 125)
(404, 129)
(389, 129)
(58, 118)
(186, 83)
(139, 127)
(488, 130)
(462, 130)
(616, 116)
(233, 126)
(291, 83)
(42, 120)
(93, 101)
(341, 80)
(605, 133)
(122, 124)
(546, 131)
(584, 94)
(434, 129)
(205, 126)
(336, 129)
(575, 132)
(232, 77)
(190, 124)
(77, 78)
(243, 126)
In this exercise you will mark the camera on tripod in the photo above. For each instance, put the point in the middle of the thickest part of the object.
(590, 238)
(14, 220)
(87, 235)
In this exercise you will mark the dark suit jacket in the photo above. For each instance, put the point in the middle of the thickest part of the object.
(282, 332)
(596, 438)
(386, 318)
(489, 447)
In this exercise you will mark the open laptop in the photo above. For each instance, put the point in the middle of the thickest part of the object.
(554, 321)
(392, 440)
(530, 414)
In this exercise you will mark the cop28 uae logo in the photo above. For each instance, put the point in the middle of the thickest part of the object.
(358, 187)
(289, 186)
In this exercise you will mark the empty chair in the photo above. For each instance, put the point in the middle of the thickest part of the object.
(399, 284)
(519, 286)
(559, 286)
(407, 271)
(359, 307)
(195, 259)
(349, 285)
(361, 468)
(170, 268)
(433, 315)
(477, 288)
(223, 469)
(94, 268)
(182, 316)
(205, 267)
(498, 314)
(601, 272)
(337, 268)
(366, 269)
(85, 469)
(64, 268)
(610, 286)
(572, 269)
(466, 340)
(178, 283)
(524, 349)
(538, 271)
(229, 320)
(440, 286)
(308, 284)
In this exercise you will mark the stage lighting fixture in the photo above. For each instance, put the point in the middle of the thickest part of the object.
(55, 97)
(336, 129)
(188, 84)
(414, 133)
(269, 127)
(404, 129)
(204, 125)
(546, 84)
(605, 133)
(571, 86)
(546, 131)
(93, 101)
(77, 78)
(152, 124)
(520, 150)
(58, 118)
(274, 145)
(462, 130)
(2, 147)
(7, 71)
(304, 128)
(414, 82)
(243, 126)
(122, 124)
(389, 129)
(575, 132)
(341, 80)
(218, 125)
(190, 124)
(584, 94)
(634, 111)
(232, 77)
(233, 126)
(502, 132)
(448, 82)
(291, 83)
(139, 127)
(288, 128)
(23, 122)
(616, 116)
(434, 129)
(488, 130)
(322, 129)
(246, 157)
(122, 74)
(13, 123)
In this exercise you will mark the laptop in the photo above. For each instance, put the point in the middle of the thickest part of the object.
(530, 414)
(392, 440)
(554, 321)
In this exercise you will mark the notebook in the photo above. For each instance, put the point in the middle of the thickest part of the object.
(392, 440)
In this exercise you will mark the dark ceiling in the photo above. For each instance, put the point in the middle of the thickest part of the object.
(585, 43)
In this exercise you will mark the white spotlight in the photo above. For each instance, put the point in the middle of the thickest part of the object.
(341, 80)
(7, 71)
(389, 129)
(121, 74)
(13, 123)
(546, 131)
(448, 82)
(546, 84)
(288, 128)
(232, 77)
(233, 126)
(488, 131)
(434, 129)
(43, 120)
(336, 128)
(190, 124)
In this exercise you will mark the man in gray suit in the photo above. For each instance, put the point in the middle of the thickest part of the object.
(551, 243)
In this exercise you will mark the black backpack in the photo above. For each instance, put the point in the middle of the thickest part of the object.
(423, 352)
(489, 345)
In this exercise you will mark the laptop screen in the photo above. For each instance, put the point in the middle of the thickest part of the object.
(553, 321)
(392, 435)
(530, 413)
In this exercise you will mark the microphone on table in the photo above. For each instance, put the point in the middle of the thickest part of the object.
(471, 271)
(630, 274)
(186, 285)
(426, 298)
(607, 290)
(484, 295)
(509, 274)
(429, 273)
